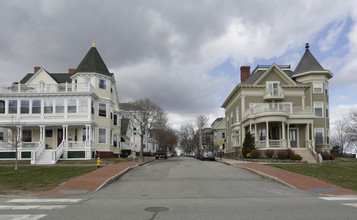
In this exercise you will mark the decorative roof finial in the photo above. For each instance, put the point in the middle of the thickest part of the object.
(93, 43)
(307, 46)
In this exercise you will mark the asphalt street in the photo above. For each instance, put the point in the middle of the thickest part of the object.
(186, 188)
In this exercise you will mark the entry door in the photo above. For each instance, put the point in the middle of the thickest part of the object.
(59, 136)
(293, 138)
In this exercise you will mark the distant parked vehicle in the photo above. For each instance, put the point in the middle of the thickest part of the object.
(168, 154)
(160, 154)
(206, 154)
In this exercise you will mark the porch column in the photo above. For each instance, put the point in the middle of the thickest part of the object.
(250, 128)
(41, 131)
(312, 134)
(267, 134)
(288, 135)
(44, 133)
(90, 132)
(255, 133)
(283, 132)
(87, 133)
(307, 135)
(20, 136)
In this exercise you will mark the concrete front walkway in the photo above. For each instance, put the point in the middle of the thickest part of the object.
(291, 179)
(92, 181)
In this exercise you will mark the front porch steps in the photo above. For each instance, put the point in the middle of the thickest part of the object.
(45, 158)
(306, 154)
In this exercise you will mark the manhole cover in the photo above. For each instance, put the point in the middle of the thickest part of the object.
(156, 209)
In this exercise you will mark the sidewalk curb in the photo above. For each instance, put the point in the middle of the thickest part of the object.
(116, 176)
(272, 178)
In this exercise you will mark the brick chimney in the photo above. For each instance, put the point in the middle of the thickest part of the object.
(36, 68)
(244, 73)
(71, 70)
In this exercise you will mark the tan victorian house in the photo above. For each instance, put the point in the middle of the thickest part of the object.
(281, 108)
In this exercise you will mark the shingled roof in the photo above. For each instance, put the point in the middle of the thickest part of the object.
(93, 62)
(308, 63)
(58, 77)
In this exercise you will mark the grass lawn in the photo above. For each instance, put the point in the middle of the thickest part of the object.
(37, 178)
(343, 174)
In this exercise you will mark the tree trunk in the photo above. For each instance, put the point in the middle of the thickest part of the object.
(141, 147)
(16, 158)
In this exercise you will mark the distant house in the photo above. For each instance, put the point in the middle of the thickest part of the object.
(281, 108)
(72, 115)
(130, 140)
(219, 133)
(207, 138)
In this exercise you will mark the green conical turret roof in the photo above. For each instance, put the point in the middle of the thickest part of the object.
(308, 63)
(93, 62)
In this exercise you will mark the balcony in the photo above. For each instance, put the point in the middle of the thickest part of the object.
(278, 108)
(273, 94)
(46, 88)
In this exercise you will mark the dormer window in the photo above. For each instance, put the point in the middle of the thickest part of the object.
(102, 84)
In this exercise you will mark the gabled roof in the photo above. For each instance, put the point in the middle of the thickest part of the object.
(255, 76)
(93, 62)
(308, 63)
(283, 74)
(58, 77)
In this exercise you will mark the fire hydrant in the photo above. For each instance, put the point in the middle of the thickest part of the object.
(98, 162)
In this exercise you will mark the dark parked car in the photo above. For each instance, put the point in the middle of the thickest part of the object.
(206, 154)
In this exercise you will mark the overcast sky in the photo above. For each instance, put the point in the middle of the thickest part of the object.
(183, 55)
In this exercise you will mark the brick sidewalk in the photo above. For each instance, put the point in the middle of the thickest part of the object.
(92, 181)
(296, 180)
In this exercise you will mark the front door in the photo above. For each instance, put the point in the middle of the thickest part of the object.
(293, 138)
(59, 136)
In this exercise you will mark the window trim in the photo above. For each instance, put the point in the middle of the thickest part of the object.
(103, 103)
(322, 109)
(21, 106)
(106, 134)
(102, 85)
(317, 85)
(32, 106)
(323, 135)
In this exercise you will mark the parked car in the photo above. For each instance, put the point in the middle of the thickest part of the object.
(206, 154)
(160, 154)
(168, 154)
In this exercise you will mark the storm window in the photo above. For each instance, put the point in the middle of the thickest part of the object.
(12, 106)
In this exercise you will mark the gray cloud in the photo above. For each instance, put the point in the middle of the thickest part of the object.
(158, 49)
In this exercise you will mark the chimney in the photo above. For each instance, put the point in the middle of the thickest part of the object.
(244, 73)
(71, 70)
(36, 68)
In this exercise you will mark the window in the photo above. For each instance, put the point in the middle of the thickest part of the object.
(116, 140)
(86, 81)
(2, 106)
(102, 109)
(102, 136)
(92, 107)
(84, 134)
(72, 106)
(327, 136)
(326, 88)
(326, 110)
(227, 121)
(75, 134)
(102, 84)
(26, 135)
(231, 118)
(115, 119)
(317, 87)
(12, 106)
(273, 88)
(1, 136)
(237, 114)
(59, 105)
(262, 134)
(223, 135)
(111, 88)
(111, 112)
(83, 105)
(318, 109)
(25, 107)
(49, 133)
(319, 138)
(48, 105)
(36, 106)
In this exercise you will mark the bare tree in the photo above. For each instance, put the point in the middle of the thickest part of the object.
(201, 123)
(12, 137)
(146, 116)
(188, 138)
(340, 137)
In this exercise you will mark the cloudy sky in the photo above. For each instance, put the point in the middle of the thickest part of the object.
(184, 55)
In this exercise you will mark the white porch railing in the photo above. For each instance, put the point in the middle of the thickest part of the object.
(76, 144)
(56, 154)
(29, 145)
(271, 144)
(35, 154)
(46, 88)
(278, 108)
(311, 148)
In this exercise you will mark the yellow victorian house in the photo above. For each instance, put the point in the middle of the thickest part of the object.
(72, 115)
